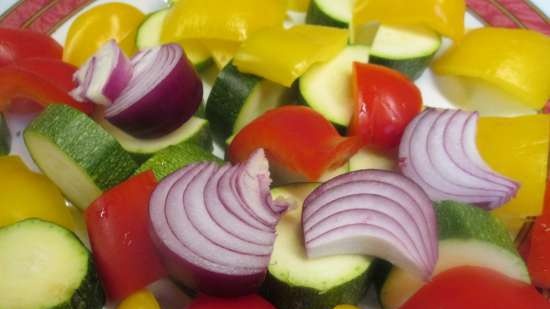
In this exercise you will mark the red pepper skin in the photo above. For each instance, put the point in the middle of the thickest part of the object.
(245, 302)
(18, 44)
(118, 227)
(386, 101)
(475, 288)
(296, 138)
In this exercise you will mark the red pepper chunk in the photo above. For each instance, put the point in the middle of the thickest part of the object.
(475, 288)
(296, 139)
(118, 227)
(386, 101)
(17, 44)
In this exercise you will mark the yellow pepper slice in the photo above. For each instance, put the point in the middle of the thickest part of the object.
(443, 16)
(346, 307)
(283, 55)
(93, 28)
(515, 60)
(222, 50)
(518, 148)
(221, 19)
(298, 5)
(26, 194)
(140, 300)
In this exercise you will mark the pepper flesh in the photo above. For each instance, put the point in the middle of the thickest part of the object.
(515, 60)
(17, 44)
(282, 55)
(443, 16)
(142, 299)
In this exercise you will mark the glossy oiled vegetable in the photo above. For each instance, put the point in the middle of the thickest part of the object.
(283, 55)
(26, 194)
(90, 30)
(511, 59)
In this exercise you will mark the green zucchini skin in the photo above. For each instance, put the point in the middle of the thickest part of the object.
(89, 295)
(316, 16)
(228, 96)
(5, 136)
(284, 296)
(412, 68)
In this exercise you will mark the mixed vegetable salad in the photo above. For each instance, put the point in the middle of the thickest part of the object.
(250, 161)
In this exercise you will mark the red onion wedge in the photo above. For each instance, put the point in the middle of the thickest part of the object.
(205, 242)
(372, 212)
(439, 152)
(103, 77)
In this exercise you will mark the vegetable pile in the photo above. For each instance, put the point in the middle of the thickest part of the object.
(213, 150)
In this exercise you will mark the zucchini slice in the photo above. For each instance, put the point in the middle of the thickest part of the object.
(370, 159)
(326, 87)
(79, 156)
(149, 33)
(408, 49)
(238, 98)
(46, 266)
(5, 136)
(195, 130)
(467, 236)
(332, 13)
(296, 282)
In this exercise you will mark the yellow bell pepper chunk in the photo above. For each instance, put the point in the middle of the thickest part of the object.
(93, 28)
(298, 5)
(518, 148)
(443, 16)
(515, 60)
(26, 194)
(221, 19)
(222, 50)
(346, 307)
(283, 55)
(140, 300)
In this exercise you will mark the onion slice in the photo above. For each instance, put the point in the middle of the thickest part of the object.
(439, 152)
(200, 248)
(372, 212)
(103, 77)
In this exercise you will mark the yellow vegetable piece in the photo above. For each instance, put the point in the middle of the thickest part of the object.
(518, 148)
(299, 5)
(26, 194)
(282, 55)
(222, 50)
(443, 16)
(346, 307)
(221, 19)
(515, 60)
(140, 300)
(93, 28)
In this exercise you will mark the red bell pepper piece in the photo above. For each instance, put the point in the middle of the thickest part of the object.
(118, 227)
(296, 138)
(43, 81)
(538, 258)
(386, 101)
(18, 44)
(245, 302)
(475, 288)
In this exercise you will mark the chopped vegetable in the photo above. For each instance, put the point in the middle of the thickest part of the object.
(142, 299)
(538, 259)
(93, 28)
(518, 148)
(26, 194)
(346, 307)
(316, 149)
(439, 152)
(221, 50)
(18, 44)
(164, 92)
(370, 159)
(444, 16)
(475, 287)
(327, 87)
(238, 98)
(118, 227)
(296, 49)
(372, 212)
(385, 103)
(298, 5)
(507, 58)
(330, 13)
(76, 154)
(46, 266)
(297, 282)
(244, 302)
(222, 20)
(214, 225)
(467, 236)
(5, 136)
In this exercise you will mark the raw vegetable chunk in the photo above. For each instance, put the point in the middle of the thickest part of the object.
(46, 266)
(330, 13)
(77, 154)
(142, 299)
(538, 258)
(250, 301)
(5, 136)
